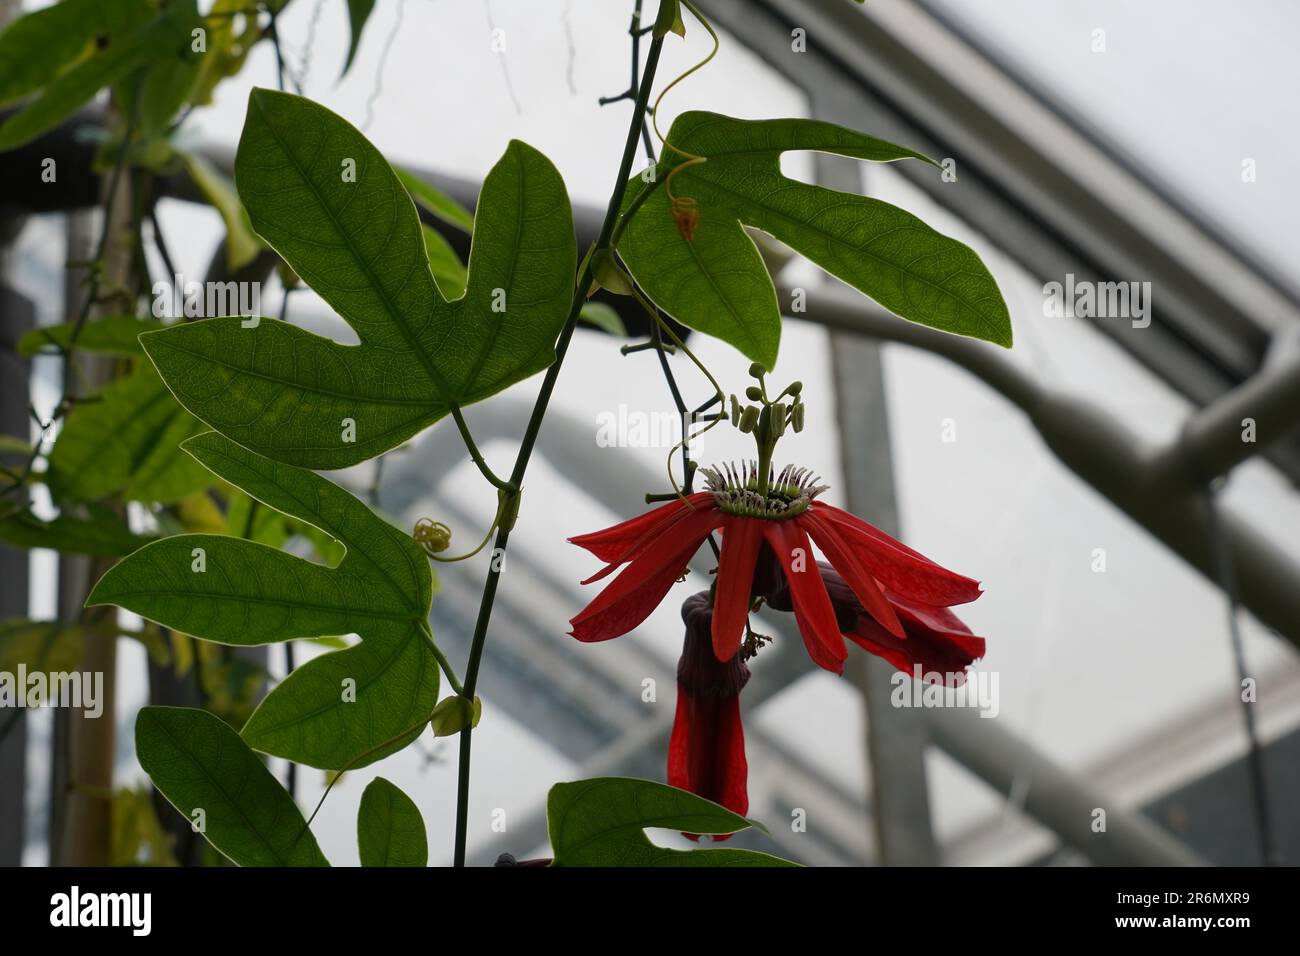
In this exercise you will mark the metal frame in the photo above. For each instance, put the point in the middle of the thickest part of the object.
(1163, 488)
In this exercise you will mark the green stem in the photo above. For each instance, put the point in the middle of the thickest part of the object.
(531, 432)
(644, 193)
(765, 449)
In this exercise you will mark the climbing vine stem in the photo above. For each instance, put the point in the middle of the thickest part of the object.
(584, 286)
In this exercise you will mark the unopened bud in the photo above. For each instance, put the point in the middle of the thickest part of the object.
(454, 714)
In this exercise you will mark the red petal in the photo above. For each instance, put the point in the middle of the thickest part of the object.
(812, 606)
(823, 657)
(630, 597)
(843, 559)
(612, 544)
(937, 640)
(905, 572)
(740, 540)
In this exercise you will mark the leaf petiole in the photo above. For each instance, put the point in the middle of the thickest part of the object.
(443, 662)
(475, 454)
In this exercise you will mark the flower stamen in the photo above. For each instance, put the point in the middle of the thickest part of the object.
(735, 490)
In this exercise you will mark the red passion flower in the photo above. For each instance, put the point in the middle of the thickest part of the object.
(903, 595)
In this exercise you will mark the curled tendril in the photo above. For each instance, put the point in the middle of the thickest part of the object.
(684, 209)
(433, 536)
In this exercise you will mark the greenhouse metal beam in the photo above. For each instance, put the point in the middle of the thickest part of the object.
(895, 739)
(1056, 798)
(1163, 488)
(1268, 404)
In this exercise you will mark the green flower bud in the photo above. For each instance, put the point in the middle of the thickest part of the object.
(454, 714)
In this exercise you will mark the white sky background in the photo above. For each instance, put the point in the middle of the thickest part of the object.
(1087, 662)
(1188, 87)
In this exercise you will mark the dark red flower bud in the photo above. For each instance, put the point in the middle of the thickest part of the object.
(706, 754)
(777, 592)
(768, 576)
(936, 639)
(508, 859)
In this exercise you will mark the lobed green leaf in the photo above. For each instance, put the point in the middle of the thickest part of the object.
(343, 709)
(324, 198)
(717, 283)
